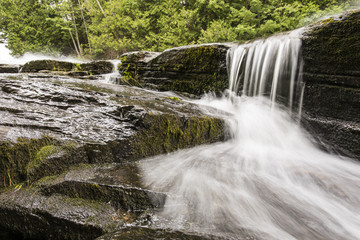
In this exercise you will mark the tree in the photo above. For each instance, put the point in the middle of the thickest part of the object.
(108, 28)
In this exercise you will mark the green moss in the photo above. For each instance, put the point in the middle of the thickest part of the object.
(77, 67)
(332, 46)
(123, 59)
(195, 59)
(41, 155)
(28, 160)
(194, 70)
(14, 158)
(96, 205)
(173, 98)
(326, 21)
(167, 133)
(47, 179)
(52, 65)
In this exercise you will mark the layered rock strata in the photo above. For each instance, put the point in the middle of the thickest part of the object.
(56, 134)
(331, 53)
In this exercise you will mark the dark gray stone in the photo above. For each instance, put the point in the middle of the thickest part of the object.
(331, 53)
(193, 69)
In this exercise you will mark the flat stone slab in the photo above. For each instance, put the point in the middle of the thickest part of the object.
(9, 68)
(151, 234)
(116, 184)
(83, 203)
(56, 217)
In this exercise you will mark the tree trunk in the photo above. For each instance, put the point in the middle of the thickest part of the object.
(85, 25)
(76, 33)
(102, 10)
(73, 40)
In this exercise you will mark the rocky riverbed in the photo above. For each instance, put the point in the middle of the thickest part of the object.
(69, 140)
(57, 132)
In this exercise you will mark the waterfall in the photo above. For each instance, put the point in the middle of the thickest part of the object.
(270, 67)
(268, 181)
(115, 76)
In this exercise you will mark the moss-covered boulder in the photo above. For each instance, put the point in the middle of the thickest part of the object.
(332, 47)
(191, 69)
(51, 65)
(48, 127)
(96, 67)
(331, 53)
(71, 69)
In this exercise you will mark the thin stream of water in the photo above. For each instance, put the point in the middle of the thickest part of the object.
(269, 180)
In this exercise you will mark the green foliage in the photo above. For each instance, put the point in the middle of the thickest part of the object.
(108, 28)
(45, 26)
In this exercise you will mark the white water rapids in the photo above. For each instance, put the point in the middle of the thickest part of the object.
(269, 181)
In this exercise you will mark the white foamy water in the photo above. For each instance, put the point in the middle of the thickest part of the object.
(115, 76)
(269, 180)
(270, 67)
(6, 58)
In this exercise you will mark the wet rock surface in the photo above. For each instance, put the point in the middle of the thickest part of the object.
(150, 234)
(52, 123)
(97, 67)
(9, 68)
(63, 68)
(191, 69)
(117, 185)
(331, 53)
(51, 65)
(84, 203)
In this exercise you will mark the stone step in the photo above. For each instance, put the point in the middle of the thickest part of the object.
(143, 233)
(56, 217)
(83, 203)
(117, 184)
(9, 68)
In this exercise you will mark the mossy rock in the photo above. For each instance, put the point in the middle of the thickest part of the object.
(51, 65)
(332, 46)
(30, 159)
(96, 67)
(9, 68)
(201, 59)
(331, 54)
(15, 158)
(193, 69)
(165, 133)
(119, 185)
(55, 217)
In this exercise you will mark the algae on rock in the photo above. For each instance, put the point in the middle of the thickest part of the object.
(193, 69)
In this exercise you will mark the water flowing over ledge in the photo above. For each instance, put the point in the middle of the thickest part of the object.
(269, 181)
(270, 67)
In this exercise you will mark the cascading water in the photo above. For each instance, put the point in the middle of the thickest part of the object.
(269, 180)
(115, 76)
(270, 67)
